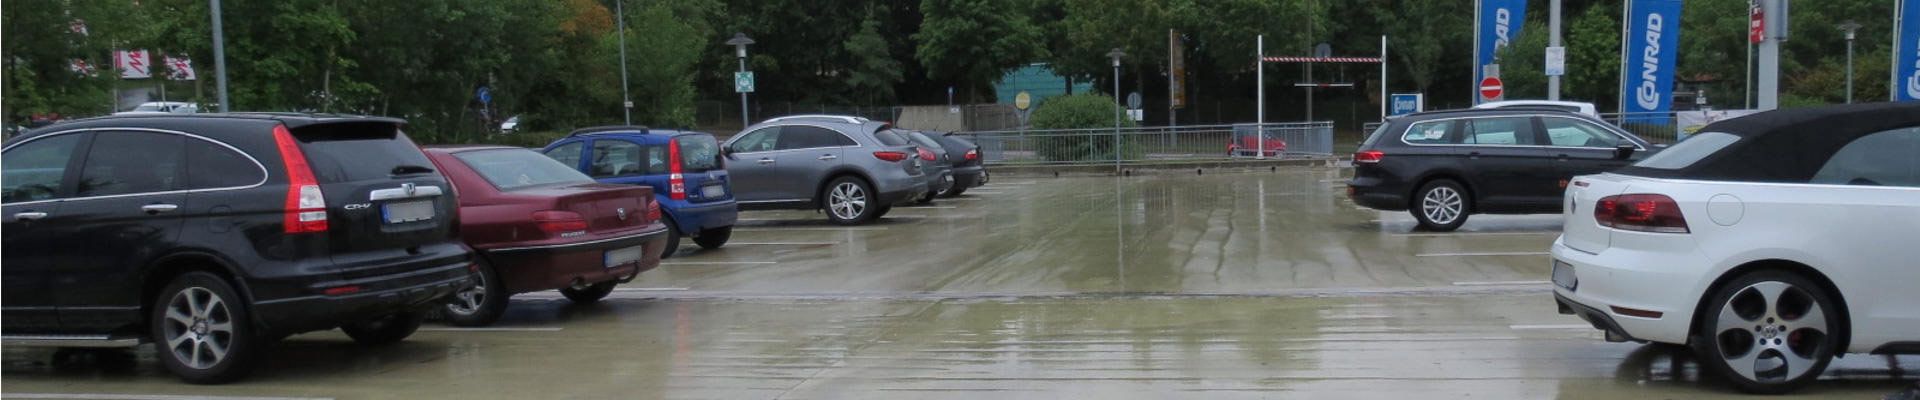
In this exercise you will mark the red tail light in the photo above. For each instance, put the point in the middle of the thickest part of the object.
(972, 154)
(560, 223)
(676, 183)
(925, 155)
(1640, 212)
(653, 210)
(1368, 157)
(306, 206)
(890, 155)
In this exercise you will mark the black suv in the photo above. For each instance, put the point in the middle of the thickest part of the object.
(1446, 165)
(214, 235)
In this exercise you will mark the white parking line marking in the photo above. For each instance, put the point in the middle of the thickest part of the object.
(810, 228)
(1474, 234)
(492, 329)
(717, 263)
(650, 289)
(934, 207)
(1501, 283)
(960, 199)
(139, 397)
(1486, 254)
(783, 243)
(1549, 327)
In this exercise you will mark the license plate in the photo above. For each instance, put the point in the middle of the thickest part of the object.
(712, 191)
(1563, 275)
(406, 211)
(624, 256)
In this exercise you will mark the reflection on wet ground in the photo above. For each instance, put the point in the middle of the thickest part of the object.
(1217, 286)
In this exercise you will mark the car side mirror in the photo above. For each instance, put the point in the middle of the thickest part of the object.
(727, 152)
(1623, 152)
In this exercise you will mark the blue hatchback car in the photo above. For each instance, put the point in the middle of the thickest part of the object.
(684, 168)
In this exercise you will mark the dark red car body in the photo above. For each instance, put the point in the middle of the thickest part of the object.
(531, 255)
(1248, 145)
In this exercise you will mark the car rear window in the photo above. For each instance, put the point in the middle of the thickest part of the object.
(928, 142)
(698, 153)
(358, 151)
(1689, 151)
(890, 137)
(515, 169)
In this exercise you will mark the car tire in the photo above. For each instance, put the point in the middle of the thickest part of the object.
(196, 315)
(953, 191)
(589, 294)
(480, 304)
(673, 236)
(927, 198)
(385, 330)
(713, 238)
(1441, 205)
(850, 201)
(1798, 320)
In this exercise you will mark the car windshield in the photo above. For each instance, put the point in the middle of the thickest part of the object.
(515, 169)
(698, 152)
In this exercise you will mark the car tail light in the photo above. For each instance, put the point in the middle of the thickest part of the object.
(1368, 157)
(1640, 212)
(890, 155)
(559, 223)
(972, 154)
(676, 183)
(306, 206)
(925, 154)
(653, 211)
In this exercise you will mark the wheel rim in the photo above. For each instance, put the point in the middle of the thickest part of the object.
(847, 200)
(198, 328)
(1771, 332)
(468, 301)
(1442, 205)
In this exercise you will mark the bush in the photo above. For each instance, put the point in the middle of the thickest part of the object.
(1080, 111)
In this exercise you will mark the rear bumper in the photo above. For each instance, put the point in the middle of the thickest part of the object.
(379, 296)
(1620, 279)
(1371, 193)
(694, 217)
(970, 176)
(552, 266)
(903, 188)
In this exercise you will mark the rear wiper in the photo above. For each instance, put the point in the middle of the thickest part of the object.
(410, 170)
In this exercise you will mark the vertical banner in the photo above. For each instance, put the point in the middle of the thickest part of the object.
(1653, 38)
(1497, 22)
(181, 68)
(1906, 53)
(132, 64)
(1176, 69)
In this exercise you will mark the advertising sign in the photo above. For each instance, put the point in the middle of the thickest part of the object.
(1649, 55)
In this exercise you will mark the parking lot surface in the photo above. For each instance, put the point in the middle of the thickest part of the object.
(1241, 285)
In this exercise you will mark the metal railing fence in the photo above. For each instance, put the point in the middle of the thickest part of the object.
(1151, 144)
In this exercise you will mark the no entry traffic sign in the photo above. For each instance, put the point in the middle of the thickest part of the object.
(1491, 88)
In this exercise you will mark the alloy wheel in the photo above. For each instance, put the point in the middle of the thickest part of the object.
(1442, 205)
(469, 301)
(198, 328)
(1771, 332)
(847, 200)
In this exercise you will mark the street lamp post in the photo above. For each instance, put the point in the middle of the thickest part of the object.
(1116, 54)
(620, 20)
(219, 57)
(739, 43)
(1849, 27)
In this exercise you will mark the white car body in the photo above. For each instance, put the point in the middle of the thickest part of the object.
(162, 107)
(1571, 106)
(1864, 239)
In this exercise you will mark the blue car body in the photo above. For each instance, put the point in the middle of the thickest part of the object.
(642, 156)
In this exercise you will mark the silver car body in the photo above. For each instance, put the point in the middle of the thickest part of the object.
(785, 163)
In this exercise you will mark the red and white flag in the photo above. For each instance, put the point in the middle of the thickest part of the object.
(181, 68)
(132, 64)
(82, 67)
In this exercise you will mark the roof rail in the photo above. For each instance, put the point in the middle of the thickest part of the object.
(836, 118)
(609, 128)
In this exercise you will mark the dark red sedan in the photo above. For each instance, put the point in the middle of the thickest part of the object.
(535, 224)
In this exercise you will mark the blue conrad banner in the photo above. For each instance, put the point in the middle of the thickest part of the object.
(1649, 56)
(1497, 23)
(1906, 52)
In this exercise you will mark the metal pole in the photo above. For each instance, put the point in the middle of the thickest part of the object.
(1116, 117)
(1747, 76)
(219, 56)
(626, 100)
(1260, 99)
(1849, 68)
(743, 95)
(1770, 54)
(1553, 25)
(1383, 78)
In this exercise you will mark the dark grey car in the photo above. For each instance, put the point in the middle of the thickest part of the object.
(938, 165)
(853, 168)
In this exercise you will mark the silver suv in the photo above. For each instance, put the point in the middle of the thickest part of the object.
(854, 168)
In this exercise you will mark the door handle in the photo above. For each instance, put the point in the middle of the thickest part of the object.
(829, 157)
(29, 216)
(152, 209)
(766, 161)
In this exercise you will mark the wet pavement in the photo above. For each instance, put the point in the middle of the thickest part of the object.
(1255, 285)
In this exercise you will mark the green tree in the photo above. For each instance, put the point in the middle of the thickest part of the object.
(873, 71)
(972, 43)
(1079, 112)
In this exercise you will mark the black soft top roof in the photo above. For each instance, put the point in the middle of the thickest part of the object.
(1789, 145)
